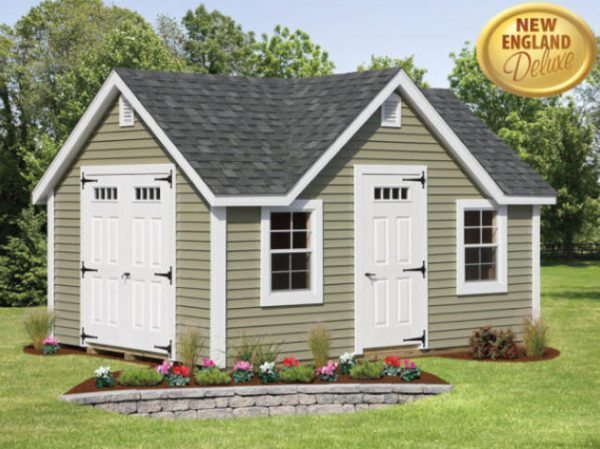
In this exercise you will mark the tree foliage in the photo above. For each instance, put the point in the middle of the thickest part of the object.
(417, 74)
(287, 54)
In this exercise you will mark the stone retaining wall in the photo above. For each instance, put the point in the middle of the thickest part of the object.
(272, 400)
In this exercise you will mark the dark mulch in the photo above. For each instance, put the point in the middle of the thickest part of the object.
(549, 354)
(75, 350)
(89, 385)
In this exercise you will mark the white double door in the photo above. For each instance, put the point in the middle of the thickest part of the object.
(128, 256)
(392, 255)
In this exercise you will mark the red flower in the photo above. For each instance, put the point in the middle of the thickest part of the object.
(392, 360)
(290, 362)
(181, 370)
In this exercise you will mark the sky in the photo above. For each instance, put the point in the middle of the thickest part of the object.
(352, 30)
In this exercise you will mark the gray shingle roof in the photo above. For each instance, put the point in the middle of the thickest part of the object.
(258, 136)
(511, 173)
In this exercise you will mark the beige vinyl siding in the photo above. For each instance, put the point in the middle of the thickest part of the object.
(451, 318)
(113, 145)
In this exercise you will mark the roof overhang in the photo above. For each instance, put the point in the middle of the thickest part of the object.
(114, 85)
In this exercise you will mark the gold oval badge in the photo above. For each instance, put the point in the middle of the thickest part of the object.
(536, 50)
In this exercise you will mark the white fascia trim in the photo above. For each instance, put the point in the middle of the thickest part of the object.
(50, 243)
(86, 126)
(300, 297)
(500, 285)
(536, 310)
(218, 285)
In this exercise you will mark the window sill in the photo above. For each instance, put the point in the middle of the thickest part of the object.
(481, 288)
(299, 298)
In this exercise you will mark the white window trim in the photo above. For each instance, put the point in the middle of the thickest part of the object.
(392, 123)
(126, 120)
(300, 297)
(500, 285)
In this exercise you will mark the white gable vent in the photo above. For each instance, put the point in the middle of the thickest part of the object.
(126, 115)
(390, 111)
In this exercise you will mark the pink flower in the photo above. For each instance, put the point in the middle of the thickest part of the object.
(164, 368)
(208, 363)
(327, 370)
(51, 341)
(242, 365)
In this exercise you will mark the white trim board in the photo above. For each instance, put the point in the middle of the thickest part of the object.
(218, 285)
(536, 310)
(50, 244)
(401, 81)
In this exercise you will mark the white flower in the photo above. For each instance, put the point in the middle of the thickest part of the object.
(103, 371)
(347, 357)
(267, 367)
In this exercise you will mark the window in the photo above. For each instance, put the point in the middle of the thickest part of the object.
(391, 111)
(291, 254)
(147, 193)
(105, 193)
(126, 114)
(390, 193)
(481, 247)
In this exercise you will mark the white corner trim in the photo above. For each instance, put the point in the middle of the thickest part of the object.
(300, 297)
(500, 285)
(50, 243)
(536, 310)
(218, 285)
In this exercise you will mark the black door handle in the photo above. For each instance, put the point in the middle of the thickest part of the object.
(370, 275)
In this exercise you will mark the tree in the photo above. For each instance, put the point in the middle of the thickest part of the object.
(487, 100)
(558, 143)
(417, 74)
(291, 55)
(215, 43)
(589, 91)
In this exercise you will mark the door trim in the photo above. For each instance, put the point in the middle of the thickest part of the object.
(146, 169)
(359, 171)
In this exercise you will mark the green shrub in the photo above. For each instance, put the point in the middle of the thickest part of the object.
(319, 342)
(190, 346)
(212, 376)
(488, 343)
(367, 370)
(300, 374)
(38, 325)
(535, 336)
(138, 376)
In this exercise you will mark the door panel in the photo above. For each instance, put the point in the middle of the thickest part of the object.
(128, 235)
(392, 238)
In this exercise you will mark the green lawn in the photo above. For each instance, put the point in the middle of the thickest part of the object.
(553, 404)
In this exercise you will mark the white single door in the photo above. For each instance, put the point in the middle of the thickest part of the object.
(392, 256)
(128, 257)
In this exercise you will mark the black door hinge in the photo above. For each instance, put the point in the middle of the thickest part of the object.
(85, 269)
(422, 338)
(422, 269)
(168, 348)
(85, 180)
(422, 179)
(85, 336)
(168, 178)
(168, 275)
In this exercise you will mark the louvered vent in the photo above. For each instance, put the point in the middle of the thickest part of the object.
(390, 111)
(126, 115)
